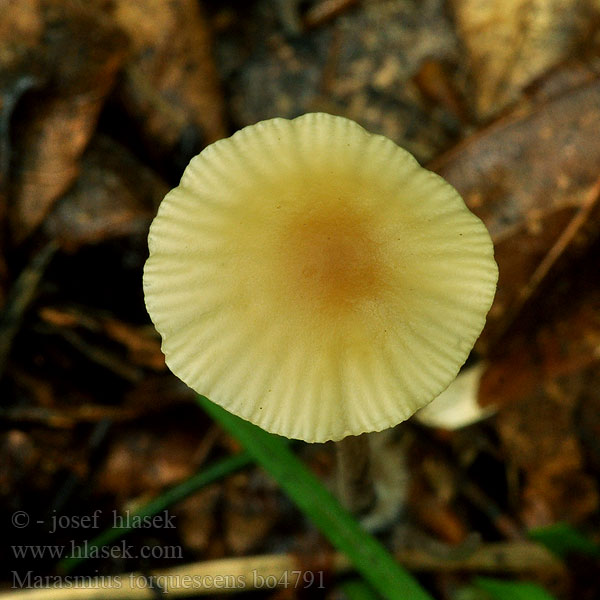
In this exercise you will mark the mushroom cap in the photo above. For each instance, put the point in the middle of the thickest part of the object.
(315, 280)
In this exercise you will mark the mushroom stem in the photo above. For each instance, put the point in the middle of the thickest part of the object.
(355, 484)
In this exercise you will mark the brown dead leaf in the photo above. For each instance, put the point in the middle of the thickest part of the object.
(565, 77)
(533, 180)
(538, 430)
(511, 44)
(556, 492)
(542, 378)
(170, 86)
(539, 438)
(81, 52)
(114, 196)
(20, 71)
(565, 343)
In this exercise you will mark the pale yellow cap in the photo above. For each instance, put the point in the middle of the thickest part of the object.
(313, 279)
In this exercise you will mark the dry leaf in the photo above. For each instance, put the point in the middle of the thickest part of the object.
(82, 52)
(538, 437)
(511, 44)
(170, 87)
(532, 201)
(114, 195)
(565, 342)
(542, 377)
(20, 71)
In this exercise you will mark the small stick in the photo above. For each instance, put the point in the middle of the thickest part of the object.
(20, 298)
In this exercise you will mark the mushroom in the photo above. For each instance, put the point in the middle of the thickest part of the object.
(315, 280)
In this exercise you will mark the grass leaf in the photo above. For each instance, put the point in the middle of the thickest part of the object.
(562, 539)
(499, 589)
(369, 557)
(357, 589)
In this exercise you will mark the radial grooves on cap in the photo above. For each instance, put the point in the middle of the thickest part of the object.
(246, 308)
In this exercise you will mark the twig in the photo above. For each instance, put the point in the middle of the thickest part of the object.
(101, 356)
(20, 297)
(586, 213)
(68, 417)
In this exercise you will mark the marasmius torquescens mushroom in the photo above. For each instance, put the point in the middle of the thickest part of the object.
(315, 280)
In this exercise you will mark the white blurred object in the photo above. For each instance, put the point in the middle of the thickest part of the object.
(457, 405)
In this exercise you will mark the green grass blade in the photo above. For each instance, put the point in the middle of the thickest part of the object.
(357, 589)
(562, 539)
(499, 589)
(201, 479)
(369, 557)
